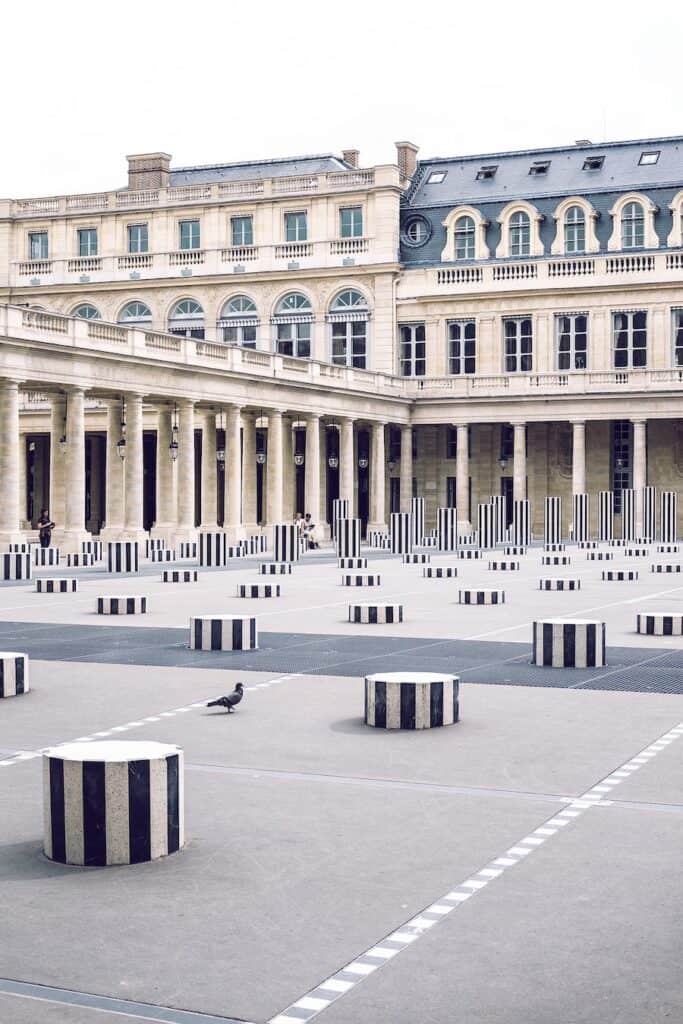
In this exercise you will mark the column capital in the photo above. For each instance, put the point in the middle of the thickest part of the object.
(74, 389)
(577, 422)
(638, 420)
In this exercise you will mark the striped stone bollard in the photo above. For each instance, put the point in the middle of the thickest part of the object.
(668, 549)
(179, 576)
(411, 700)
(64, 585)
(440, 572)
(636, 552)
(378, 539)
(514, 549)
(213, 547)
(470, 553)
(286, 546)
(376, 614)
(46, 556)
(401, 532)
(123, 556)
(154, 544)
(13, 674)
(352, 563)
(481, 597)
(556, 583)
(258, 589)
(80, 561)
(569, 643)
(235, 551)
(133, 605)
(162, 555)
(347, 538)
(361, 580)
(16, 566)
(556, 559)
(619, 542)
(468, 540)
(256, 544)
(554, 547)
(223, 633)
(187, 549)
(600, 556)
(415, 558)
(275, 569)
(21, 547)
(587, 545)
(507, 566)
(94, 548)
(656, 623)
(112, 802)
(619, 575)
(429, 542)
(666, 567)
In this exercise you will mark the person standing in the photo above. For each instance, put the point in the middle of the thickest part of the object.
(45, 528)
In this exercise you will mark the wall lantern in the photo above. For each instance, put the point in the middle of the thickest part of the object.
(174, 446)
(363, 462)
(220, 459)
(298, 459)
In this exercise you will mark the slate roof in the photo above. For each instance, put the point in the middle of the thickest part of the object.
(257, 169)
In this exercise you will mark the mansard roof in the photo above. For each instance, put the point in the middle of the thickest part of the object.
(256, 169)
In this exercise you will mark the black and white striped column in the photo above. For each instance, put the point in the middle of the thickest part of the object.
(179, 576)
(416, 558)
(213, 547)
(258, 589)
(581, 517)
(187, 549)
(619, 575)
(605, 515)
(649, 513)
(498, 502)
(636, 552)
(361, 580)
(15, 566)
(556, 560)
(133, 605)
(13, 674)
(223, 633)
(154, 544)
(348, 538)
(340, 510)
(558, 583)
(599, 556)
(56, 586)
(79, 561)
(46, 556)
(447, 529)
(379, 539)
(660, 623)
(568, 643)
(552, 522)
(275, 569)
(470, 553)
(486, 523)
(256, 544)
(286, 542)
(21, 547)
(668, 549)
(481, 597)
(667, 567)
(400, 532)
(521, 523)
(376, 614)
(123, 556)
(628, 514)
(668, 517)
(113, 802)
(94, 548)
(554, 548)
(587, 545)
(513, 549)
(352, 563)
(508, 565)
(417, 523)
(439, 572)
(411, 700)
(163, 555)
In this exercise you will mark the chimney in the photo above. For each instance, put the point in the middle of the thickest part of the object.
(148, 170)
(406, 158)
(350, 156)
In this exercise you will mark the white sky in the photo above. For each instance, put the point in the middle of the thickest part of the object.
(86, 83)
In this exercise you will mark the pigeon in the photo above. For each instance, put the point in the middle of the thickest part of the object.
(228, 702)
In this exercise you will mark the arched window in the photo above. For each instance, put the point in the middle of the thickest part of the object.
(520, 234)
(292, 319)
(238, 322)
(464, 238)
(574, 230)
(187, 318)
(136, 314)
(86, 311)
(632, 226)
(349, 317)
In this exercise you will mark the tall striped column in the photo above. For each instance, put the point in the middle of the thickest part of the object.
(348, 538)
(340, 510)
(649, 513)
(447, 529)
(400, 533)
(552, 525)
(286, 542)
(486, 523)
(668, 518)
(123, 556)
(498, 502)
(581, 516)
(417, 509)
(521, 523)
(605, 515)
(628, 514)
(213, 547)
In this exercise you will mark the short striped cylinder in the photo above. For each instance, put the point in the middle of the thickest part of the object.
(556, 560)
(15, 567)
(417, 520)
(655, 624)
(340, 510)
(348, 538)
(549, 548)
(514, 549)
(13, 674)
(94, 548)
(468, 540)
(376, 614)
(154, 544)
(428, 542)
(163, 555)
(447, 529)
(46, 556)
(179, 576)
(361, 580)
(286, 542)
(400, 533)
(556, 583)
(642, 542)
(79, 561)
(258, 589)
(254, 545)
(213, 547)
(619, 542)
(416, 558)
(666, 567)
(236, 551)
(568, 643)
(619, 575)
(56, 586)
(21, 547)
(552, 522)
(481, 597)
(112, 802)
(469, 553)
(352, 563)
(636, 552)
(668, 549)
(275, 568)
(187, 549)
(223, 633)
(123, 556)
(133, 605)
(507, 566)
(411, 700)
(439, 572)
(599, 556)
(587, 545)
(378, 539)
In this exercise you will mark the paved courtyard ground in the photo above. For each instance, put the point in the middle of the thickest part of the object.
(521, 867)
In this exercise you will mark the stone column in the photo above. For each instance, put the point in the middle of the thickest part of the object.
(312, 470)
(287, 468)
(209, 473)
(378, 478)
(186, 518)
(167, 492)
(9, 462)
(74, 505)
(133, 470)
(519, 462)
(406, 470)
(57, 463)
(114, 499)
(274, 467)
(248, 471)
(578, 456)
(639, 469)
(347, 475)
(232, 521)
(462, 476)
(24, 524)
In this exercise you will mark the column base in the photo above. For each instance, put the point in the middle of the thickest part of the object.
(110, 533)
(234, 533)
(164, 530)
(463, 526)
(187, 535)
(377, 528)
(70, 542)
(14, 536)
(133, 535)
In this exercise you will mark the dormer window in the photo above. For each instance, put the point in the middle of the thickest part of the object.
(539, 167)
(486, 172)
(436, 177)
(632, 226)
(650, 156)
(593, 163)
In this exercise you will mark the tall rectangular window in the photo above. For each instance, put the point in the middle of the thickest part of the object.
(189, 234)
(677, 325)
(462, 340)
(87, 242)
(518, 344)
(349, 343)
(451, 442)
(138, 238)
(394, 444)
(412, 350)
(296, 227)
(621, 462)
(242, 229)
(294, 340)
(571, 341)
(37, 245)
(351, 222)
(629, 339)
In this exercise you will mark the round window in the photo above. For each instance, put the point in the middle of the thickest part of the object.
(416, 231)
